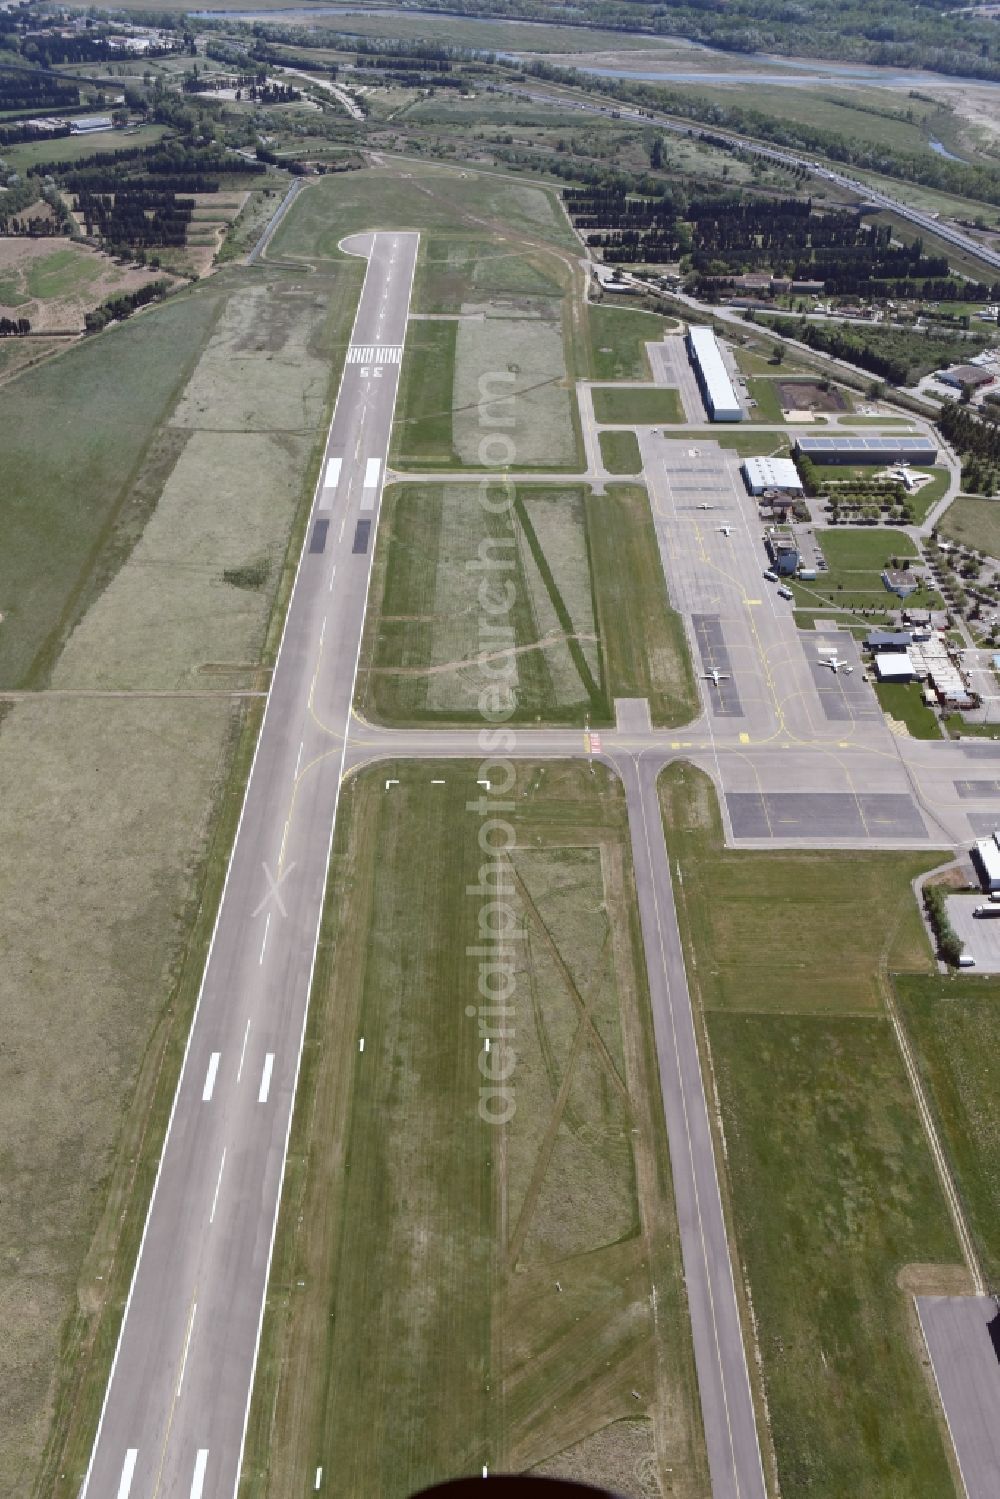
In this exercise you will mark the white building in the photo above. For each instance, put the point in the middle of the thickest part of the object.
(721, 400)
(987, 856)
(763, 474)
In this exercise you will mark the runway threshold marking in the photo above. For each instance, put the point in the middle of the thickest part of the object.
(198, 1480)
(213, 1067)
(128, 1469)
(265, 1081)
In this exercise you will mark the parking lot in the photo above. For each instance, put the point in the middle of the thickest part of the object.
(980, 938)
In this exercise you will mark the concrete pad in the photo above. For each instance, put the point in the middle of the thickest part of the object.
(961, 1337)
(823, 815)
(976, 789)
(724, 700)
(632, 715)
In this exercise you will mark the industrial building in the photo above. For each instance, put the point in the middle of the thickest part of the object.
(767, 475)
(906, 448)
(987, 855)
(894, 666)
(721, 400)
(966, 374)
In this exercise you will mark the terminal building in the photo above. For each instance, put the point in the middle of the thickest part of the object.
(772, 476)
(721, 400)
(906, 448)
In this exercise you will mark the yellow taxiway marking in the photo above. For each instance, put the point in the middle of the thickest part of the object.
(744, 738)
(750, 602)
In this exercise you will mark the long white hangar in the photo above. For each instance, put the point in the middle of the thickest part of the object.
(721, 400)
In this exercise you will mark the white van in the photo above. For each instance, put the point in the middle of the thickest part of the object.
(966, 961)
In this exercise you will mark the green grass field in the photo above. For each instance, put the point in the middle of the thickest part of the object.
(768, 402)
(832, 1187)
(416, 196)
(973, 522)
(566, 646)
(421, 432)
(952, 1023)
(618, 338)
(633, 407)
(70, 148)
(620, 452)
(856, 557)
(904, 700)
(749, 444)
(522, 1255)
(453, 272)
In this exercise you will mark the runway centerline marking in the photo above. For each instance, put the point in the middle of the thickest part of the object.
(187, 1345)
(263, 945)
(243, 1052)
(265, 1081)
(218, 1184)
(213, 1067)
(198, 1480)
(128, 1468)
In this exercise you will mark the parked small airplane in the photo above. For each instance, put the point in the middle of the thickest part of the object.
(833, 661)
(726, 530)
(715, 676)
(704, 505)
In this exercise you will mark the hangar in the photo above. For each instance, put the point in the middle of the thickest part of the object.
(721, 400)
(766, 474)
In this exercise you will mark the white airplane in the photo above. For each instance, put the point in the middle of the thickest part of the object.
(704, 505)
(715, 676)
(833, 661)
(726, 530)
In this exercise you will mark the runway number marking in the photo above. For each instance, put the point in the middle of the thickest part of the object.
(198, 1481)
(265, 1082)
(128, 1468)
(213, 1067)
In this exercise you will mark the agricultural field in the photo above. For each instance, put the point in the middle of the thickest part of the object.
(70, 148)
(952, 1024)
(148, 562)
(537, 1286)
(974, 523)
(856, 558)
(460, 379)
(820, 1124)
(570, 646)
(633, 407)
(54, 282)
(411, 195)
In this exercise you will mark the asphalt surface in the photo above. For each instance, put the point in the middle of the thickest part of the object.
(175, 1412)
(966, 1367)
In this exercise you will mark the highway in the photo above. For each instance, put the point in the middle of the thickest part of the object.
(174, 1417)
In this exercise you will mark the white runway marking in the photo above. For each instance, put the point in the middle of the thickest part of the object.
(319, 1478)
(298, 759)
(372, 470)
(265, 1082)
(218, 1184)
(246, 1038)
(198, 1481)
(361, 1044)
(128, 1468)
(264, 943)
(332, 476)
(213, 1067)
(375, 354)
(187, 1345)
(333, 574)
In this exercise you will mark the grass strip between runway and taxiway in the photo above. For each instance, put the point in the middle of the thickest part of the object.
(450, 1292)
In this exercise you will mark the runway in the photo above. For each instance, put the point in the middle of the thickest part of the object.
(174, 1417)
